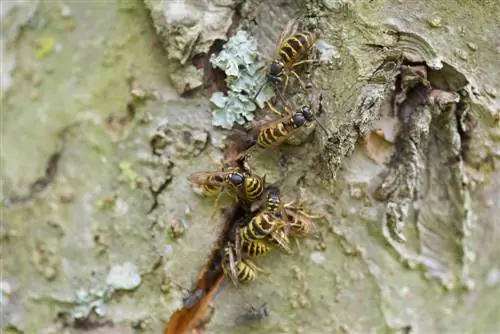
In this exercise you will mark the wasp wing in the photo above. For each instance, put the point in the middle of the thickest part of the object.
(215, 179)
(289, 28)
(280, 239)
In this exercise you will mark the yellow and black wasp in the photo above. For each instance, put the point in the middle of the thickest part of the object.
(300, 222)
(276, 132)
(291, 52)
(265, 229)
(245, 187)
(217, 183)
(238, 269)
(213, 183)
(255, 247)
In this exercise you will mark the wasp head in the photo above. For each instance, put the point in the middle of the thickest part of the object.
(273, 198)
(273, 193)
(307, 113)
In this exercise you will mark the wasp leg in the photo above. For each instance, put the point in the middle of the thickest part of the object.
(273, 109)
(237, 242)
(233, 274)
(306, 61)
(253, 266)
(216, 204)
(286, 82)
(301, 83)
(287, 110)
(311, 216)
(298, 247)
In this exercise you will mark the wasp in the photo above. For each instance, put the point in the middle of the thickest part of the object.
(252, 315)
(300, 222)
(291, 51)
(265, 228)
(213, 183)
(276, 132)
(261, 225)
(243, 186)
(239, 270)
(248, 247)
(217, 183)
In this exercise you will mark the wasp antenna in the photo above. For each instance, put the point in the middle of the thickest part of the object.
(321, 111)
(278, 92)
(258, 92)
(260, 89)
(321, 126)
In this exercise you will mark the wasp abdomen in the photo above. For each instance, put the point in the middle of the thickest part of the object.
(209, 190)
(245, 270)
(273, 134)
(259, 227)
(255, 248)
(296, 46)
(254, 188)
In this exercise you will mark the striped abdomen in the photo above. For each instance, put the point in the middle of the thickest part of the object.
(274, 134)
(258, 228)
(254, 187)
(255, 247)
(246, 270)
(246, 273)
(210, 190)
(295, 47)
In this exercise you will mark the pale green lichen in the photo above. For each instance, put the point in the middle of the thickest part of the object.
(120, 277)
(239, 60)
(91, 301)
(127, 174)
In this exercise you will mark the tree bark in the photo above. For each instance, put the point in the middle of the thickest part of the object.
(105, 113)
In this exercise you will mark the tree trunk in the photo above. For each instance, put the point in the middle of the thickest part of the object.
(105, 112)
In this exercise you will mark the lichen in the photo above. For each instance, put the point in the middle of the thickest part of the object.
(93, 300)
(127, 174)
(90, 301)
(239, 60)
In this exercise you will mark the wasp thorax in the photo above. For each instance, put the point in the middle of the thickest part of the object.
(273, 193)
(299, 120)
(273, 198)
(276, 69)
(236, 179)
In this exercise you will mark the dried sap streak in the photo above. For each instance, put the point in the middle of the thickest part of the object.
(212, 275)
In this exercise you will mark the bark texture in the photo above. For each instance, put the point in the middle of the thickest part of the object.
(105, 113)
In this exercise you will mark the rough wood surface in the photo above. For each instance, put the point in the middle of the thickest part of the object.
(102, 120)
